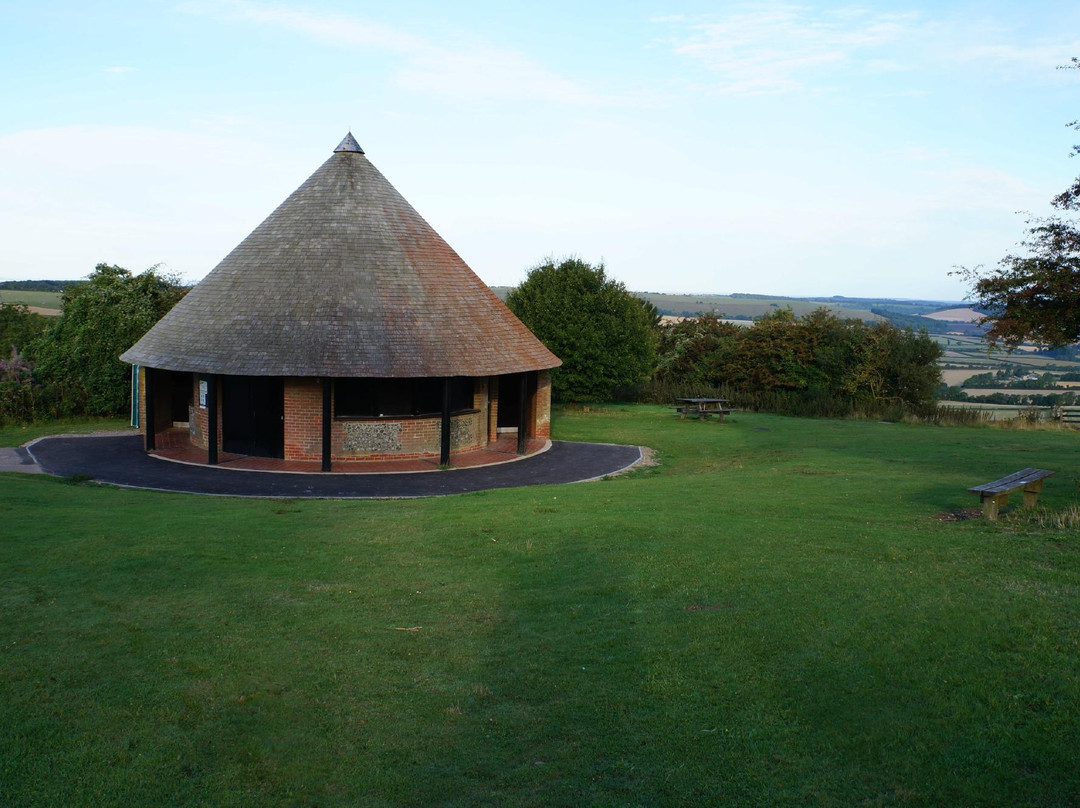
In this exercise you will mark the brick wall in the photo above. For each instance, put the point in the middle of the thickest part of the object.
(198, 422)
(375, 439)
(303, 419)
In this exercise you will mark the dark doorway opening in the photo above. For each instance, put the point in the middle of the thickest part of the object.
(253, 415)
(509, 401)
(516, 394)
(180, 396)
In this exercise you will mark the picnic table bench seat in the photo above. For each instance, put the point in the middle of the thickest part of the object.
(995, 496)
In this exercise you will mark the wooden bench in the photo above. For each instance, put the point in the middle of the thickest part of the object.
(995, 495)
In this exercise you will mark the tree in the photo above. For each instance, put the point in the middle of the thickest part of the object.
(687, 349)
(603, 334)
(1036, 297)
(844, 363)
(19, 327)
(78, 358)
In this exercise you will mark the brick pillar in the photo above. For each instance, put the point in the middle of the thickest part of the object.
(542, 405)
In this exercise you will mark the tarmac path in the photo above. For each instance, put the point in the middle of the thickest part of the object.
(120, 460)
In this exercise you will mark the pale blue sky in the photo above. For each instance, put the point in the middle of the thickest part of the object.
(802, 149)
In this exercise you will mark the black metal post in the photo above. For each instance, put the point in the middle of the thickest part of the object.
(211, 420)
(523, 413)
(327, 399)
(148, 397)
(444, 444)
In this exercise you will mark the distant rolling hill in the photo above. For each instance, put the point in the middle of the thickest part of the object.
(936, 316)
(750, 306)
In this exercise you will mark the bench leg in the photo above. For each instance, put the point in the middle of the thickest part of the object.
(993, 504)
(1031, 493)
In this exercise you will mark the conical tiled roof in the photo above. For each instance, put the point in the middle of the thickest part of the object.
(344, 279)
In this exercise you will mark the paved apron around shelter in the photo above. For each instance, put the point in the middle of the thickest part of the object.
(120, 460)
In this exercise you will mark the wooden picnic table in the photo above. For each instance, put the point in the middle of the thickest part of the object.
(703, 407)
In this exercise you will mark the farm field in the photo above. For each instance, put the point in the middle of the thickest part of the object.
(957, 376)
(1001, 412)
(964, 357)
(957, 315)
(40, 300)
(989, 391)
(781, 612)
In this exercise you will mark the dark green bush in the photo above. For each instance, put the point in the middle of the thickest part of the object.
(818, 366)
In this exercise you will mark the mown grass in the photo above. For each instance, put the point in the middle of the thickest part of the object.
(776, 614)
(15, 434)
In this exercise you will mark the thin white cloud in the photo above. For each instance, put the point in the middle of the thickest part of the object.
(790, 48)
(335, 29)
(119, 69)
(781, 49)
(469, 71)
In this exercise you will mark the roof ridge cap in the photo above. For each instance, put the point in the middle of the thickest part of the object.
(348, 144)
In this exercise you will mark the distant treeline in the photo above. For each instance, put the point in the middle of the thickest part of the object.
(1002, 381)
(38, 286)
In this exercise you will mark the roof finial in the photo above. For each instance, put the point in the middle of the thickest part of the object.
(349, 144)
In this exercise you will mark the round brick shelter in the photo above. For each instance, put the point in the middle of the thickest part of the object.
(343, 328)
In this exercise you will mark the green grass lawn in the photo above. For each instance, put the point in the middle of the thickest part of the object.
(775, 614)
(12, 434)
